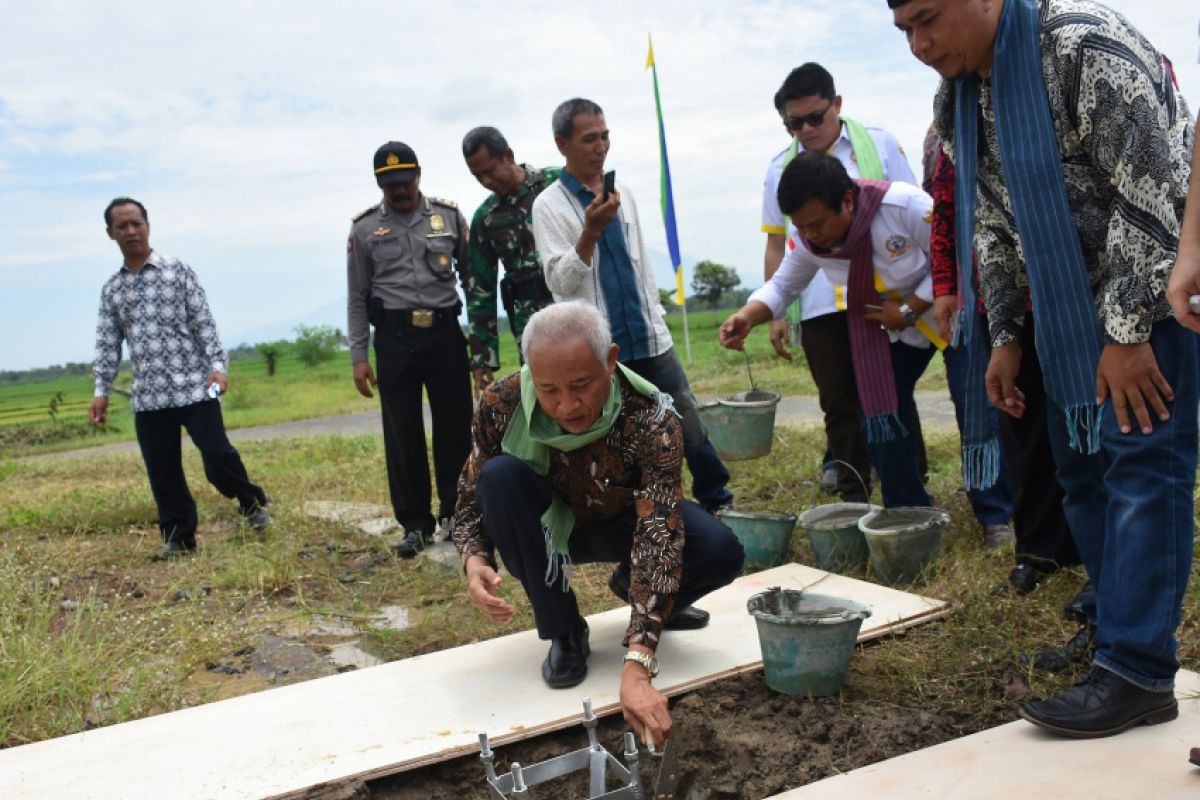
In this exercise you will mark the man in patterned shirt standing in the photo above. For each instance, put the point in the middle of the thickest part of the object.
(1071, 148)
(156, 305)
(502, 230)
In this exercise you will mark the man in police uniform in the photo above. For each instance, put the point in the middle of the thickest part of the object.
(502, 230)
(402, 256)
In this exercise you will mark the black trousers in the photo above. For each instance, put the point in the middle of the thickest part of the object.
(826, 343)
(1043, 536)
(513, 499)
(410, 360)
(158, 435)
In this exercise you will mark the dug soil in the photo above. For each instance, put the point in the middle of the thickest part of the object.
(736, 738)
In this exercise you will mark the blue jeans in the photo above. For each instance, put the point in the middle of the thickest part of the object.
(709, 475)
(896, 461)
(1130, 509)
(993, 505)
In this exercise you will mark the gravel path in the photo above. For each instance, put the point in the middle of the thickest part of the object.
(936, 413)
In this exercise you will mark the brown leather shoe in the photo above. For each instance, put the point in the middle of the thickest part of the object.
(1195, 758)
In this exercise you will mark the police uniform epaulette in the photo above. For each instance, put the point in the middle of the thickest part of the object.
(364, 212)
(442, 202)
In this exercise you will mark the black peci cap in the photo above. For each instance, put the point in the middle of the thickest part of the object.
(395, 162)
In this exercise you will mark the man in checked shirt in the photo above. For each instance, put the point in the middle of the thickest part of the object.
(156, 305)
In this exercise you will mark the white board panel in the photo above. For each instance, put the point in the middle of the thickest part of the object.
(409, 713)
(1019, 760)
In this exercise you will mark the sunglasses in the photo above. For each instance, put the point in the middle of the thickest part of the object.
(796, 124)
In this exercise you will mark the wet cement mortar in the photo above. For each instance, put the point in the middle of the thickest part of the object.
(736, 739)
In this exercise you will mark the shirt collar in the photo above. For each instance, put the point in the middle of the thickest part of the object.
(153, 260)
(576, 187)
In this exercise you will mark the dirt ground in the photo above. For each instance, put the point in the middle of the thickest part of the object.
(739, 741)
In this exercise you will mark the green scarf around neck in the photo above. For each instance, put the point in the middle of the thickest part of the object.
(532, 434)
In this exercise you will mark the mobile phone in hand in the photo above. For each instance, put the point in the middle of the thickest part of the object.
(610, 183)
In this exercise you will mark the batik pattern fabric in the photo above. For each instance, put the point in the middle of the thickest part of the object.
(633, 472)
(162, 313)
(1125, 136)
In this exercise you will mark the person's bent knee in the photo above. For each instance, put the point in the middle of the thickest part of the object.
(500, 476)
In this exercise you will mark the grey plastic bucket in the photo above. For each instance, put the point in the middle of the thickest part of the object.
(837, 542)
(764, 536)
(806, 639)
(742, 426)
(904, 542)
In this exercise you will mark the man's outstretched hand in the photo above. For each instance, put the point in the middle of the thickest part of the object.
(643, 706)
(482, 583)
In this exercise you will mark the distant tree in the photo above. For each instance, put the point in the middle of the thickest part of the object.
(710, 280)
(271, 351)
(316, 343)
(667, 298)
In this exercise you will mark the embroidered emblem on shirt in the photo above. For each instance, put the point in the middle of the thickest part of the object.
(929, 216)
(436, 222)
(897, 246)
(382, 231)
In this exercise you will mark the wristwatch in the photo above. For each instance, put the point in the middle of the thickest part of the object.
(910, 316)
(645, 659)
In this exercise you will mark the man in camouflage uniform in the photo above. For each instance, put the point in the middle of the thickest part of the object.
(502, 230)
(401, 261)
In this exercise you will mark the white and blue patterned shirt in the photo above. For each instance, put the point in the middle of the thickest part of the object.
(162, 313)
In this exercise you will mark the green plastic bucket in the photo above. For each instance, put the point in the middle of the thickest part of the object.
(741, 427)
(837, 543)
(806, 639)
(764, 536)
(903, 542)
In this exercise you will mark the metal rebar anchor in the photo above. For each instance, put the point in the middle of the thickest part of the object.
(599, 763)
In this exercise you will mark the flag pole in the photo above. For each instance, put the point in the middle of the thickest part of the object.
(667, 201)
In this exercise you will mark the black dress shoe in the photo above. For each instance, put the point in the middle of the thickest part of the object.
(1024, 578)
(175, 549)
(415, 540)
(1077, 650)
(688, 618)
(1194, 757)
(1102, 704)
(566, 663)
(1084, 599)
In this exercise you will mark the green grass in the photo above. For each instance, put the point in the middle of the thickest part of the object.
(93, 633)
(300, 392)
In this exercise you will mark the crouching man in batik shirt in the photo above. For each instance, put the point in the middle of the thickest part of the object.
(576, 459)
(157, 305)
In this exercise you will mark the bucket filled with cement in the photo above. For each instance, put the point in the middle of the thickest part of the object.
(806, 639)
(765, 536)
(837, 542)
(741, 426)
(903, 542)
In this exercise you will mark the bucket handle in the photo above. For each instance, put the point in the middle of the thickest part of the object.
(857, 474)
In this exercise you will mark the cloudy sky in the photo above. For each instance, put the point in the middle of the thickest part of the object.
(247, 128)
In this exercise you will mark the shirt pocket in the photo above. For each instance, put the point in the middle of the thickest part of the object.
(439, 256)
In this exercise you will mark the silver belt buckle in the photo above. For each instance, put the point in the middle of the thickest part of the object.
(422, 318)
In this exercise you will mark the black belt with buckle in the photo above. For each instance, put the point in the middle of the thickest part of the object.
(420, 317)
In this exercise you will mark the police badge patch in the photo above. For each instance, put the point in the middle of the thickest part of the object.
(436, 223)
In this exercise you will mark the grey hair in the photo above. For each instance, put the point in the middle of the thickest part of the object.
(486, 137)
(561, 321)
(563, 121)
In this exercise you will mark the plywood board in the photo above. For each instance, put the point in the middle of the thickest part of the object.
(1019, 760)
(409, 713)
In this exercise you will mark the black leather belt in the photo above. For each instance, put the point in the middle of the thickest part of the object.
(419, 317)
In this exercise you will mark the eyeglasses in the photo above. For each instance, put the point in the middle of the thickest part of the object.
(796, 124)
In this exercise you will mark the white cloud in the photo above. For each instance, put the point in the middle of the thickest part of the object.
(248, 128)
